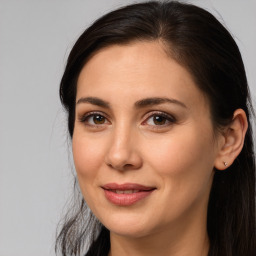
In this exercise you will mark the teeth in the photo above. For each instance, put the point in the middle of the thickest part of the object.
(119, 191)
(125, 191)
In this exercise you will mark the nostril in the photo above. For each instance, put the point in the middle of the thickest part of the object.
(128, 167)
(122, 167)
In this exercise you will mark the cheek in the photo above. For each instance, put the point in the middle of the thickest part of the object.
(88, 157)
(184, 165)
(183, 157)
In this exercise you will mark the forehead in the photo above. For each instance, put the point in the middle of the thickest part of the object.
(140, 69)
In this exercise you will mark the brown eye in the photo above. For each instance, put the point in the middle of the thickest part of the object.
(159, 120)
(98, 119)
(94, 119)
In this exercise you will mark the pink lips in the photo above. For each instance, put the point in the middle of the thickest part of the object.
(126, 194)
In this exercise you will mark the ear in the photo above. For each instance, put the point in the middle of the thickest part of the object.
(232, 140)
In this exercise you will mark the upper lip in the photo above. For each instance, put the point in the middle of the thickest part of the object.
(126, 186)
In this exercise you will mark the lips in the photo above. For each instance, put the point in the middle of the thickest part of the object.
(126, 194)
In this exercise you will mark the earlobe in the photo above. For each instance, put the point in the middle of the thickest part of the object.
(233, 140)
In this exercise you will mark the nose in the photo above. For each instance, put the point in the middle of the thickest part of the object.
(123, 153)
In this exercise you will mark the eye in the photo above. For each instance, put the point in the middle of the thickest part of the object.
(94, 119)
(159, 119)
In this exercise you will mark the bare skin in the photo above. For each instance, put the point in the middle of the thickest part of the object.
(141, 119)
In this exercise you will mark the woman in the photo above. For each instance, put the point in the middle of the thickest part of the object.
(159, 115)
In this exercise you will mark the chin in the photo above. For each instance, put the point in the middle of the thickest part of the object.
(128, 226)
(129, 232)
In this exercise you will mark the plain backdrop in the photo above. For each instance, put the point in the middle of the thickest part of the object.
(35, 171)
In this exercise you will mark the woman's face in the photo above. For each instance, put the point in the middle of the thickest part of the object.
(143, 143)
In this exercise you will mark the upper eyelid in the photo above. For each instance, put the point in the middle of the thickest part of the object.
(157, 112)
(83, 117)
(89, 113)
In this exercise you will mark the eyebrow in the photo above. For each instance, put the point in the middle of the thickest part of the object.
(95, 101)
(138, 104)
(157, 101)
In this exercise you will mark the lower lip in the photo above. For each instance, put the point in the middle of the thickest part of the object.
(126, 199)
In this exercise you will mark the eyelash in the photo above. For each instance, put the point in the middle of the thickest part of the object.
(167, 118)
(85, 118)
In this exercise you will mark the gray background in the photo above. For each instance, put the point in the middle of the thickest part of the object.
(35, 172)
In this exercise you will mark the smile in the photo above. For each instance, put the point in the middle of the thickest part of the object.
(126, 194)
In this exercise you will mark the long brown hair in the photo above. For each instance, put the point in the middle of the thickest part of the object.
(200, 43)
